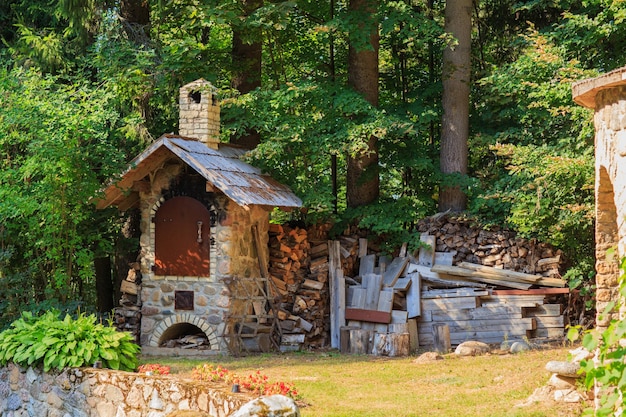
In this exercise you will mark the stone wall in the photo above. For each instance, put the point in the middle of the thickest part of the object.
(91, 392)
(606, 95)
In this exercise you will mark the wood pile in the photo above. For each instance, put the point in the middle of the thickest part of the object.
(298, 271)
(497, 248)
(191, 341)
(127, 317)
(403, 301)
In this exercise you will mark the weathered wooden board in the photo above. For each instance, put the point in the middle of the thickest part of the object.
(479, 276)
(362, 247)
(413, 302)
(444, 258)
(385, 301)
(399, 316)
(374, 285)
(516, 300)
(543, 310)
(477, 313)
(372, 316)
(402, 284)
(533, 291)
(366, 265)
(449, 303)
(413, 335)
(427, 254)
(451, 293)
(512, 325)
(357, 298)
(394, 270)
(427, 339)
(337, 305)
(547, 321)
(513, 275)
(549, 332)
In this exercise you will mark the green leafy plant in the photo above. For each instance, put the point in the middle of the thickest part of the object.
(56, 343)
(608, 369)
(254, 382)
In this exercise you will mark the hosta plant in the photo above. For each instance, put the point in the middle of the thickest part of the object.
(54, 343)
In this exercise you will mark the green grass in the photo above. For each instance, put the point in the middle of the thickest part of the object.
(332, 384)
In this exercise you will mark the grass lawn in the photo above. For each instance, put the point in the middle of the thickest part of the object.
(332, 384)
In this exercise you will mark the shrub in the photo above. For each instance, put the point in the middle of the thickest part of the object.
(53, 343)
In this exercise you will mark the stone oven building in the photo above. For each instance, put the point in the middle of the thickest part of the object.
(606, 95)
(204, 223)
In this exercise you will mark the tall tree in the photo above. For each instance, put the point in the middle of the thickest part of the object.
(456, 71)
(246, 58)
(362, 180)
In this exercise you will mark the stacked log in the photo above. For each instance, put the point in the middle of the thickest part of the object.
(494, 247)
(127, 317)
(299, 285)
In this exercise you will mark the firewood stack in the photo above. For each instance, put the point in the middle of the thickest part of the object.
(299, 274)
(127, 317)
(496, 248)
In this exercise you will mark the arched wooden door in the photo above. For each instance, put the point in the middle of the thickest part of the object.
(182, 238)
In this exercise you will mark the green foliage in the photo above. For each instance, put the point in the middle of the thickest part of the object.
(54, 343)
(608, 368)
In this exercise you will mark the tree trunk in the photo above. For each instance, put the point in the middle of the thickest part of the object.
(246, 57)
(456, 88)
(135, 16)
(104, 285)
(362, 182)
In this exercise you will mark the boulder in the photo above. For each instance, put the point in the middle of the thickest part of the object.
(518, 347)
(271, 406)
(563, 368)
(562, 382)
(472, 348)
(428, 357)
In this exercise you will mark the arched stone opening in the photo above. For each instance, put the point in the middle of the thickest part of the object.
(182, 325)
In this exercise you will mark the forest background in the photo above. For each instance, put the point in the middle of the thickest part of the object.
(87, 85)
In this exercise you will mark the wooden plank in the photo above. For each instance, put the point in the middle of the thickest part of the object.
(413, 335)
(427, 254)
(372, 316)
(394, 270)
(427, 339)
(516, 300)
(546, 321)
(374, 285)
(402, 284)
(479, 276)
(413, 302)
(512, 325)
(450, 293)
(441, 338)
(477, 313)
(399, 316)
(550, 332)
(337, 294)
(543, 310)
(513, 275)
(385, 301)
(366, 264)
(362, 247)
(449, 303)
(444, 258)
(358, 297)
(533, 291)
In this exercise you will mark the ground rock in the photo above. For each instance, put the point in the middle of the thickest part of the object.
(272, 406)
(580, 354)
(562, 382)
(428, 357)
(563, 368)
(472, 348)
(518, 347)
(567, 396)
(541, 394)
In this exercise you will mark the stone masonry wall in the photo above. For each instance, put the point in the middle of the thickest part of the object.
(233, 254)
(610, 126)
(91, 392)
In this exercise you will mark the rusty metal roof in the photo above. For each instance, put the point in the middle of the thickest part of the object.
(223, 168)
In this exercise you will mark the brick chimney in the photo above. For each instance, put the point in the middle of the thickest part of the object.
(199, 115)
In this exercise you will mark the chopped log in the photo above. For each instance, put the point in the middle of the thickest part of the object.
(129, 287)
(391, 344)
(360, 341)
